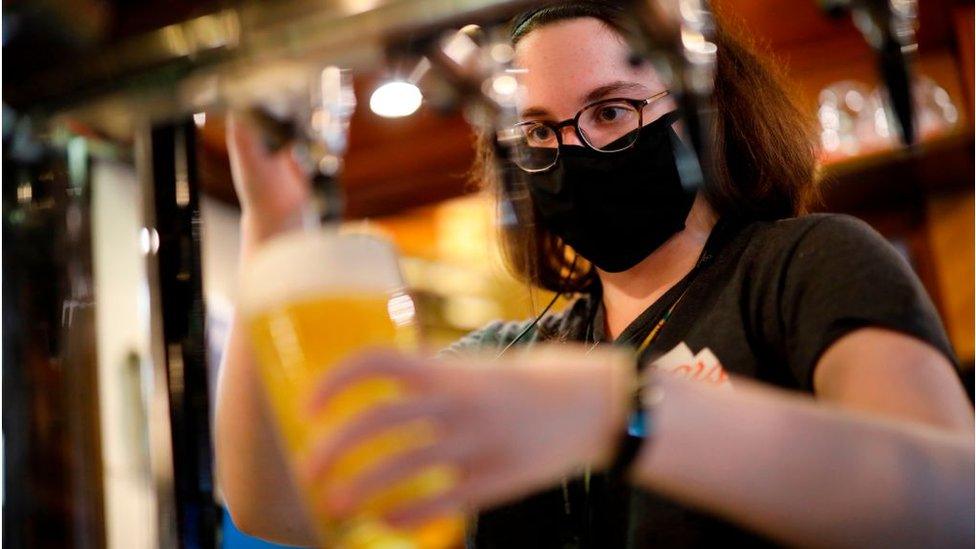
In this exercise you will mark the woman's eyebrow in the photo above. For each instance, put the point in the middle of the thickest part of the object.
(596, 94)
(534, 112)
(613, 88)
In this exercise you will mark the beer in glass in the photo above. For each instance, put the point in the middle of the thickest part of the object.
(310, 300)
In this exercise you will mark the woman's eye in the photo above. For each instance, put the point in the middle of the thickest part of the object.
(610, 114)
(540, 133)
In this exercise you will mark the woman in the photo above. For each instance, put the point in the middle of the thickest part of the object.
(725, 281)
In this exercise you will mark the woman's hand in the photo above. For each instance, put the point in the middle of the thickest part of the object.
(508, 426)
(271, 187)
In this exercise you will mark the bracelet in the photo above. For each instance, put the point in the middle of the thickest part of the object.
(640, 426)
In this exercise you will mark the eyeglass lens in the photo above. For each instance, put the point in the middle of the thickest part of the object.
(608, 126)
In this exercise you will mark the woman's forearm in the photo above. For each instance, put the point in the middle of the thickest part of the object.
(251, 470)
(809, 474)
(253, 473)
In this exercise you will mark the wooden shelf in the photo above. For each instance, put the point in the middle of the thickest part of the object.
(893, 179)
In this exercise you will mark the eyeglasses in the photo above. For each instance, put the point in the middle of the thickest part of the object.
(607, 126)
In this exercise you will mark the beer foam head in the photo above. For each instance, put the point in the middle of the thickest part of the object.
(310, 264)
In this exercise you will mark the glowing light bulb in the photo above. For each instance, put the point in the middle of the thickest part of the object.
(395, 99)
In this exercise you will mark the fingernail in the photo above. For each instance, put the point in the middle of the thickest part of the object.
(337, 502)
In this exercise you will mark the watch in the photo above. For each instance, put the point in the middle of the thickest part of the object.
(640, 425)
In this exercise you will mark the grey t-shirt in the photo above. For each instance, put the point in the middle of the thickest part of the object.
(769, 301)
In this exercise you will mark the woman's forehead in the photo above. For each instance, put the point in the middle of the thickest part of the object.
(560, 64)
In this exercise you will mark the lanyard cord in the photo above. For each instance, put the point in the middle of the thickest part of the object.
(652, 335)
(703, 259)
(538, 317)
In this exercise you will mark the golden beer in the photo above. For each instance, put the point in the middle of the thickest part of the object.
(311, 300)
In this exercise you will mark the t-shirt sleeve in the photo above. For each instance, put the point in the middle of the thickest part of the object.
(497, 335)
(494, 336)
(480, 339)
(842, 276)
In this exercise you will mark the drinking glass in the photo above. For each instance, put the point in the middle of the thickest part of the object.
(310, 300)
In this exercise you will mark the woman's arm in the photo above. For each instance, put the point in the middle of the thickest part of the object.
(252, 472)
(888, 373)
(810, 474)
(799, 471)
(899, 472)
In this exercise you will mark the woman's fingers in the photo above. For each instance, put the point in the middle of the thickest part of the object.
(391, 471)
(420, 511)
(474, 490)
(271, 187)
(414, 373)
(249, 158)
(242, 139)
(371, 423)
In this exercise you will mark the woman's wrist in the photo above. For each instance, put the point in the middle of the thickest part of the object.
(621, 383)
(257, 229)
(634, 441)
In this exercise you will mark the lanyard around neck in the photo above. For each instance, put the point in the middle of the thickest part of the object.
(707, 254)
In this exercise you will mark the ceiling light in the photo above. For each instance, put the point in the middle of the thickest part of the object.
(395, 99)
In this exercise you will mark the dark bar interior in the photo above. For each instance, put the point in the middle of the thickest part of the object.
(129, 246)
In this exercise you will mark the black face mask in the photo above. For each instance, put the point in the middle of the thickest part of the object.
(615, 208)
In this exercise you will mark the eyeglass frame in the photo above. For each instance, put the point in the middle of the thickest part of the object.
(557, 127)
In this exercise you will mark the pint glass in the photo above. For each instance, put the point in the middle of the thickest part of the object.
(310, 300)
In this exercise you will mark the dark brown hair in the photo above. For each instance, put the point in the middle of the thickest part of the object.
(764, 152)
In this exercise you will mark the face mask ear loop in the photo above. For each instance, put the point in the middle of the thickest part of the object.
(514, 194)
(572, 268)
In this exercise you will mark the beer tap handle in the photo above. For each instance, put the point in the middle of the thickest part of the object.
(310, 114)
(334, 102)
(889, 28)
(678, 38)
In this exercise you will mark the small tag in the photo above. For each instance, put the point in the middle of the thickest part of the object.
(704, 366)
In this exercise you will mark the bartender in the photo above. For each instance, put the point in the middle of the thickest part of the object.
(802, 391)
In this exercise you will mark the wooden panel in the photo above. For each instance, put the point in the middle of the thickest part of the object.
(964, 21)
(888, 181)
(950, 235)
(397, 164)
(785, 24)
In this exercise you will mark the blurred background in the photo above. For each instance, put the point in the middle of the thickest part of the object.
(81, 464)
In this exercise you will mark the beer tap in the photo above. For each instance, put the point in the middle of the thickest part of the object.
(334, 102)
(309, 110)
(889, 28)
(678, 38)
(472, 68)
